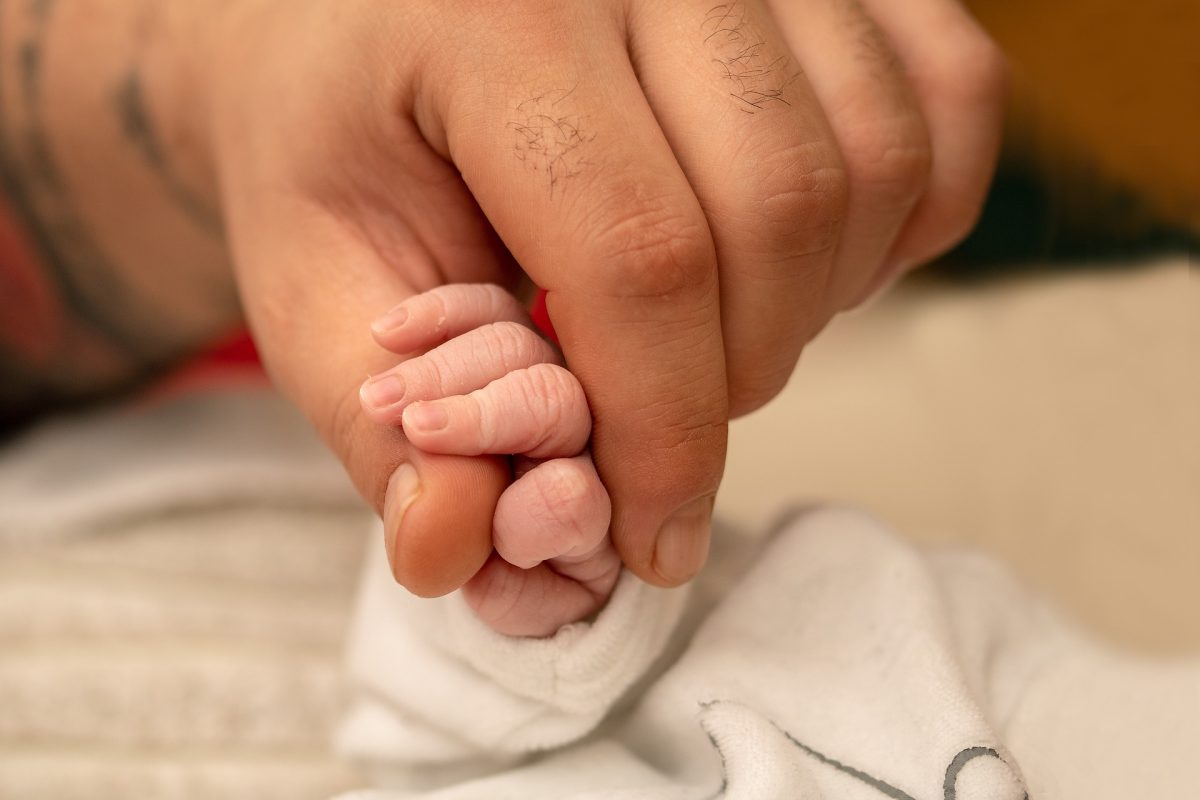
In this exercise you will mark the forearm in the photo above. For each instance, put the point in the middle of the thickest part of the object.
(115, 261)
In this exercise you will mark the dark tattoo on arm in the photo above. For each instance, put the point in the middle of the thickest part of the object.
(87, 282)
(94, 296)
(755, 80)
(139, 129)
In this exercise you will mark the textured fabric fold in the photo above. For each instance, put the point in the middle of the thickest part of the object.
(431, 666)
(843, 664)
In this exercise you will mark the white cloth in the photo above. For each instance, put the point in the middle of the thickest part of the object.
(74, 475)
(843, 663)
(169, 629)
(175, 585)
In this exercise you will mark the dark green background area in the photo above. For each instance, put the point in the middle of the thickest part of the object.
(1070, 219)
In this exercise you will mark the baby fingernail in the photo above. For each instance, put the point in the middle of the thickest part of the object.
(427, 417)
(382, 391)
(402, 489)
(682, 545)
(390, 321)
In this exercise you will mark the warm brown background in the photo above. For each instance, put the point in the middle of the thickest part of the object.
(1114, 81)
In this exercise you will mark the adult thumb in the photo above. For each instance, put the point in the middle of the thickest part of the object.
(311, 286)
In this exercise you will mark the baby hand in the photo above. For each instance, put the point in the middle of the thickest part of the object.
(492, 385)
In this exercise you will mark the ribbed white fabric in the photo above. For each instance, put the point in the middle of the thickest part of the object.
(169, 628)
(76, 474)
(498, 695)
(175, 584)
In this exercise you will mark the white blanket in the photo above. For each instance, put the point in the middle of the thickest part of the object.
(175, 586)
(169, 626)
(843, 663)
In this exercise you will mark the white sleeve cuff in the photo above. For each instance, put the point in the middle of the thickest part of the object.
(430, 672)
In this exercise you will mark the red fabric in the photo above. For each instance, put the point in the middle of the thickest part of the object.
(31, 319)
(541, 316)
(236, 349)
(232, 359)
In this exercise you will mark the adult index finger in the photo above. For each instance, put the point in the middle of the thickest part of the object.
(568, 162)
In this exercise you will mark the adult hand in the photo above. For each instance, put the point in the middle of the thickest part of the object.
(699, 187)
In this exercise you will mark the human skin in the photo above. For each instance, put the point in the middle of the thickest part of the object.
(698, 187)
(481, 381)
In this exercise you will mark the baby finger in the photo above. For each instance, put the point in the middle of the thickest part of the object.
(539, 411)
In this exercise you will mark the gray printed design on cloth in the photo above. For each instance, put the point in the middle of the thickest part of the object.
(950, 780)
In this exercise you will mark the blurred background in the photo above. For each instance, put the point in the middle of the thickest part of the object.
(1035, 394)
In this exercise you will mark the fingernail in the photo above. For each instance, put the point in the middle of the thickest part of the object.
(682, 545)
(426, 417)
(390, 321)
(402, 489)
(382, 391)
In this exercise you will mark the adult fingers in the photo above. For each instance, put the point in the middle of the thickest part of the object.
(440, 314)
(877, 123)
(328, 229)
(463, 364)
(557, 510)
(752, 138)
(568, 162)
(540, 412)
(959, 77)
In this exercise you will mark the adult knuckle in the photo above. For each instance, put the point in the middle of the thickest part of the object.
(801, 196)
(976, 70)
(891, 161)
(651, 250)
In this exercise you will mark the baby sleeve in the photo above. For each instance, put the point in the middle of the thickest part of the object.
(433, 688)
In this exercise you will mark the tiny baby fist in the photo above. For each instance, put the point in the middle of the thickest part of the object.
(491, 385)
